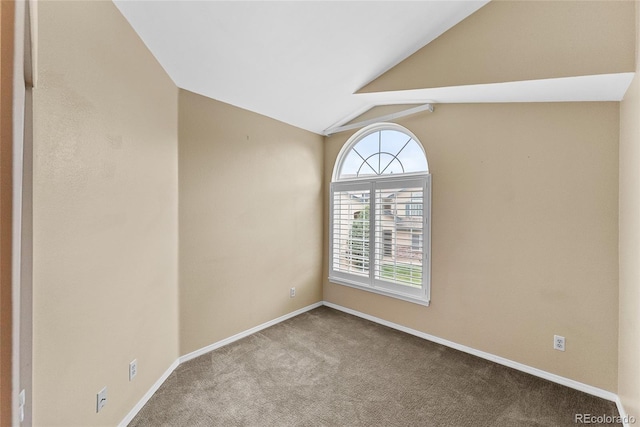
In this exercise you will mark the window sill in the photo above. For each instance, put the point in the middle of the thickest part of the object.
(385, 292)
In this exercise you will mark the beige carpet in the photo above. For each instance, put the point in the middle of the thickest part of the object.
(328, 368)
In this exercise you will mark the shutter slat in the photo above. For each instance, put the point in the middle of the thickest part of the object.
(351, 232)
(398, 236)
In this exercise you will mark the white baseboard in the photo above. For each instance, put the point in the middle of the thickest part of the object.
(623, 414)
(148, 394)
(246, 333)
(595, 391)
(204, 350)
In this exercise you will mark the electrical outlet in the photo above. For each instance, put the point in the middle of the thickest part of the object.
(292, 292)
(558, 343)
(133, 369)
(102, 399)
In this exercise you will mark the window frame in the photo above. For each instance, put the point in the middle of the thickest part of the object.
(371, 184)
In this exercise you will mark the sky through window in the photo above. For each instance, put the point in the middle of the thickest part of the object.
(384, 152)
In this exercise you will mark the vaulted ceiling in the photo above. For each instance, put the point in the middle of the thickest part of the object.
(316, 65)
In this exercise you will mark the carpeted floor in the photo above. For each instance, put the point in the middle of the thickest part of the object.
(328, 368)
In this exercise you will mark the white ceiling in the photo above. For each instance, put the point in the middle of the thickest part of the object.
(301, 62)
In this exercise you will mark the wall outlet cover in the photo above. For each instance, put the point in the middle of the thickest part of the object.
(558, 343)
(133, 369)
(102, 399)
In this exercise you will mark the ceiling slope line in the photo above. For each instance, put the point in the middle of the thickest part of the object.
(589, 88)
(384, 118)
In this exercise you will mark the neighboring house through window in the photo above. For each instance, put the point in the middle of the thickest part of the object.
(380, 206)
(416, 240)
(414, 208)
(388, 243)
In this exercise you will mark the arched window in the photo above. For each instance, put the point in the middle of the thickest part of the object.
(380, 214)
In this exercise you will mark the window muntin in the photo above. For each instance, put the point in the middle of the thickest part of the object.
(380, 223)
(382, 152)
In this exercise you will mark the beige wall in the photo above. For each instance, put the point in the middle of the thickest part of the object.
(105, 215)
(250, 219)
(522, 40)
(629, 350)
(525, 224)
(524, 234)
